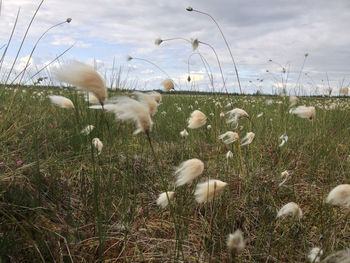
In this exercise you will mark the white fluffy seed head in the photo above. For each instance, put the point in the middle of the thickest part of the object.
(87, 129)
(238, 113)
(207, 190)
(83, 76)
(315, 254)
(342, 256)
(184, 133)
(149, 99)
(293, 100)
(126, 108)
(167, 84)
(229, 155)
(235, 242)
(188, 171)
(304, 112)
(248, 138)
(62, 102)
(163, 200)
(96, 142)
(230, 137)
(340, 196)
(290, 209)
(197, 119)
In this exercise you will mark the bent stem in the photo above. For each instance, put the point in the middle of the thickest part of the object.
(227, 45)
(171, 208)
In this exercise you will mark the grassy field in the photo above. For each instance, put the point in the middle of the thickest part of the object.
(61, 202)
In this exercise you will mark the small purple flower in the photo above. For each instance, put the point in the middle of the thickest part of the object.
(2, 164)
(51, 126)
(19, 162)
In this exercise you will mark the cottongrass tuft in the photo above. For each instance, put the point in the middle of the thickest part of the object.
(167, 84)
(62, 102)
(87, 129)
(342, 256)
(290, 209)
(229, 155)
(149, 99)
(188, 171)
(83, 76)
(96, 142)
(197, 119)
(248, 138)
(184, 133)
(231, 137)
(207, 190)
(340, 196)
(293, 100)
(209, 127)
(235, 242)
(304, 112)
(315, 254)
(235, 115)
(284, 139)
(260, 115)
(285, 177)
(126, 108)
(163, 200)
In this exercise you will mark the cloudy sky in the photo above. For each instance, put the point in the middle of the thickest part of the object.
(257, 31)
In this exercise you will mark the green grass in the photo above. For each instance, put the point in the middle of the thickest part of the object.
(64, 203)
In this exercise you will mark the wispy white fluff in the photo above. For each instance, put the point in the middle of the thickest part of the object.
(304, 112)
(235, 115)
(167, 84)
(284, 139)
(315, 255)
(188, 171)
(149, 99)
(207, 190)
(91, 98)
(235, 241)
(126, 108)
(342, 256)
(62, 102)
(285, 177)
(248, 138)
(163, 201)
(96, 142)
(229, 155)
(184, 133)
(197, 119)
(83, 76)
(260, 114)
(293, 100)
(87, 129)
(340, 196)
(290, 209)
(230, 137)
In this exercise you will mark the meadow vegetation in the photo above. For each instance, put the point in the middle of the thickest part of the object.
(60, 201)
